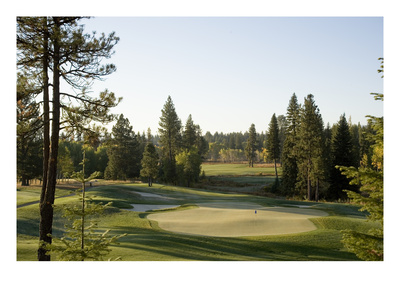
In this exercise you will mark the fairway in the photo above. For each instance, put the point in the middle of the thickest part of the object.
(233, 219)
(195, 224)
(238, 169)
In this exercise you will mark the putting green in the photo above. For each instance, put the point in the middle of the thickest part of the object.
(231, 219)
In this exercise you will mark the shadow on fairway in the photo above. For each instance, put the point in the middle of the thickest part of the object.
(171, 247)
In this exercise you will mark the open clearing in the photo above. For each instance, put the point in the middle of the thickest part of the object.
(233, 219)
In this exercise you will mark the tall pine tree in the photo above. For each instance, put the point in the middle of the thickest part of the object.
(251, 146)
(273, 143)
(29, 133)
(369, 246)
(149, 163)
(123, 152)
(342, 155)
(189, 134)
(58, 45)
(310, 149)
(170, 139)
(289, 155)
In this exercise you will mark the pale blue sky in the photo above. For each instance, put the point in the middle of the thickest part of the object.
(229, 72)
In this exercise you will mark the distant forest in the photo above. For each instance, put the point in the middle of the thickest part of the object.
(119, 154)
(54, 132)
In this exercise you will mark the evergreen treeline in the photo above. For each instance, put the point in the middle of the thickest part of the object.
(174, 156)
(307, 150)
(312, 151)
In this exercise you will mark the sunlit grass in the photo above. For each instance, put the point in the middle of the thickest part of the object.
(238, 169)
(146, 241)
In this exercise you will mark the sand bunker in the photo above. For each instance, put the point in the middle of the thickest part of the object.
(230, 219)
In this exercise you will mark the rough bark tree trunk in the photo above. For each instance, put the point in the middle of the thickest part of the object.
(46, 206)
(83, 206)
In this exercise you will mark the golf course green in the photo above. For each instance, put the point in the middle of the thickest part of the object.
(175, 223)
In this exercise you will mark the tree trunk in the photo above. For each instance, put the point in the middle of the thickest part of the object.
(308, 187)
(46, 146)
(46, 117)
(46, 206)
(24, 180)
(83, 206)
(276, 170)
(317, 191)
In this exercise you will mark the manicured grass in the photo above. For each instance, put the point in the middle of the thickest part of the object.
(145, 240)
(32, 194)
(239, 178)
(238, 169)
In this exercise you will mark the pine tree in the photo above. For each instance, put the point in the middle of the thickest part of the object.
(310, 149)
(29, 139)
(123, 152)
(170, 139)
(59, 44)
(200, 143)
(342, 154)
(282, 125)
(189, 134)
(273, 143)
(289, 155)
(368, 246)
(149, 163)
(251, 146)
(81, 241)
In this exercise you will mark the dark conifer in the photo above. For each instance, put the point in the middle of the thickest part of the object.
(123, 152)
(251, 146)
(342, 155)
(170, 139)
(310, 149)
(289, 155)
(273, 143)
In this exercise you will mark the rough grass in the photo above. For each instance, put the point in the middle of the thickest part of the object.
(145, 240)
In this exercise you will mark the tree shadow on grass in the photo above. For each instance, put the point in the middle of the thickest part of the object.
(172, 246)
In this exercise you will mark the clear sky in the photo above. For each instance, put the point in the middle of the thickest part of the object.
(229, 72)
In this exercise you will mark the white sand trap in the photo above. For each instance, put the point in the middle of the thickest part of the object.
(147, 207)
(238, 219)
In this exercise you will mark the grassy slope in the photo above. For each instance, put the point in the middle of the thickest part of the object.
(146, 241)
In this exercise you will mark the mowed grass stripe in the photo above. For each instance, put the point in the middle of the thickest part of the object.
(146, 241)
(238, 169)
